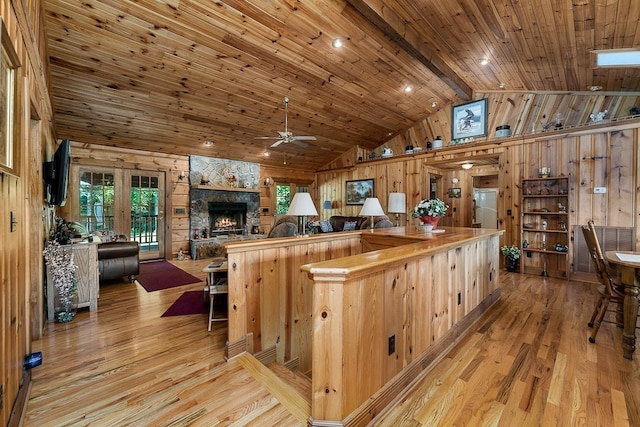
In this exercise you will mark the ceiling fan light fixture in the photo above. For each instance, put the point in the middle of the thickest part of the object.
(337, 42)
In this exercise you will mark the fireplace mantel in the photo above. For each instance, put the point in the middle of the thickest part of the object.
(212, 187)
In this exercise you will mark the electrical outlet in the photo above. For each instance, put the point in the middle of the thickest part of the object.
(599, 190)
(392, 344)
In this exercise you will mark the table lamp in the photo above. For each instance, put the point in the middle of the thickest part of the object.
(301, 206)
(397, 205)
(371, 208)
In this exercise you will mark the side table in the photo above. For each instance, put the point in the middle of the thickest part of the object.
(217, 282)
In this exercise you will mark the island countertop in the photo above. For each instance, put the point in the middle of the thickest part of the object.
(403, 243)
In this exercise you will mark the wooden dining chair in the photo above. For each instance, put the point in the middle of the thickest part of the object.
(608, 289)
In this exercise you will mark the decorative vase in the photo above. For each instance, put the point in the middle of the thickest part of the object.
(512, 264)
(65, 305)
(430, 220)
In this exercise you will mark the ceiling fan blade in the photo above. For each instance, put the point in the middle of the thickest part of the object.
(266, 137)
(275, 144)
(303, 138)
(300, 143)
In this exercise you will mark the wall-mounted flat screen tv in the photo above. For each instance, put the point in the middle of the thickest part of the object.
(56, 174)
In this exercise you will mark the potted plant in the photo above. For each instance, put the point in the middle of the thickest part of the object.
(512, 255)
(61, 270)
(429, 211)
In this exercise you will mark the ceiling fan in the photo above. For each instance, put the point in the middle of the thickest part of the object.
(286, 136)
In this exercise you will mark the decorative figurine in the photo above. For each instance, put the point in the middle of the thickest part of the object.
(597, 118)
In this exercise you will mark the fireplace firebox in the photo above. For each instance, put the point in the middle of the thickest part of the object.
(225, 218)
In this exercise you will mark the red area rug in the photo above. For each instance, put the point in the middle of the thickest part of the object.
(190, 302)
(158, 275)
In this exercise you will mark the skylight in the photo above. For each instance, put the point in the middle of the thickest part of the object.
(618, 58)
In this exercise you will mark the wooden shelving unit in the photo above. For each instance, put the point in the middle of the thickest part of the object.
(545, 226)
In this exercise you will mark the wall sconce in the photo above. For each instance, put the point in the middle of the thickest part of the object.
(326, 204)
(182, 176)
(267, 181)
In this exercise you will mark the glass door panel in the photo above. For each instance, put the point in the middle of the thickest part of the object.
(146, 195)
(97, 200)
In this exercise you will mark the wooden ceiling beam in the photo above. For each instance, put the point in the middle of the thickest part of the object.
(393, 27)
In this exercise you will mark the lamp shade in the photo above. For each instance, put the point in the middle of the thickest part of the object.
(371, 207)
(397, 203)
(302, 205)
(326, 204)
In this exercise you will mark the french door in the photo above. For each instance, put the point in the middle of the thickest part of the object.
(125, 201)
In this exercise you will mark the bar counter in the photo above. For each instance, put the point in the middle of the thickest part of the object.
(364, 312)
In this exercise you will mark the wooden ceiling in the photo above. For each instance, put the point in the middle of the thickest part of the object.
(167, 75)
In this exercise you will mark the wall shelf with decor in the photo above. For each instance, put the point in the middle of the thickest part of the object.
(544, 226)
(218, 188)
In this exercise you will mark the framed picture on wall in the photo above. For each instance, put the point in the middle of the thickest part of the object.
(358, 190)
(455, 193)
(469, 120)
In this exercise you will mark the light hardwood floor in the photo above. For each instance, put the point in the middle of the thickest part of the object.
(527, 362)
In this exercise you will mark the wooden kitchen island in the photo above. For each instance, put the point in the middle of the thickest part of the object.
(362, 313)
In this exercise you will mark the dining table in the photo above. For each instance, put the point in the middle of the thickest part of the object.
(628, 263)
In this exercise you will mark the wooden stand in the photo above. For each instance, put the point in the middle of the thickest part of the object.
(217, 286)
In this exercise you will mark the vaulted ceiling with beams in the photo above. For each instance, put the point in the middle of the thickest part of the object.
(168, 75)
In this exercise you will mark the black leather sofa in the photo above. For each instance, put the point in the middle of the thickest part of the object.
(118, 259)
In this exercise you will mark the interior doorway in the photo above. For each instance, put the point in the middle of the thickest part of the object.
(485, 207)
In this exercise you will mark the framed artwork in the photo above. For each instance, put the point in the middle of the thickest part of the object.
(455, 193)
(469, 120)
(357, 191)
(8, 90)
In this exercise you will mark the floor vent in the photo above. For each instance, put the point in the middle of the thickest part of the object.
(610, 238)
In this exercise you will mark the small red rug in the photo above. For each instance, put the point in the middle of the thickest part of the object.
(190, 302)
(158, 275)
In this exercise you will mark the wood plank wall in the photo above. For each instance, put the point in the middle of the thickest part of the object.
(594, 157)
(177, 190)
(21, 195)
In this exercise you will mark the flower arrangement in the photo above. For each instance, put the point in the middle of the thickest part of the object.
(430, 207)
(512, 252)
(62, 271)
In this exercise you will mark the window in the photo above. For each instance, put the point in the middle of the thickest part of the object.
(97, 200)
(284, 195)
(8, 86)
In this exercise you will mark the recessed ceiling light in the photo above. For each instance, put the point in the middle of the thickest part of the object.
(337, 42)
(502, 85)
(595, 88)
(484, 61)
(434, 104)
(266, 154)
(207, 143)
(408, 88)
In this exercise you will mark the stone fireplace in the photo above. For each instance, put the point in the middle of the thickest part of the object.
(222, 212)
